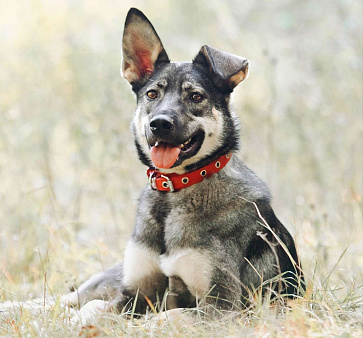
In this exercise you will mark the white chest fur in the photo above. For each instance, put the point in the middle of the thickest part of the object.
(194, 267)
(139, 263)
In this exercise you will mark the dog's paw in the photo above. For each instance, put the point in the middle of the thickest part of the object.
(71, 299)
(90, 313)
(176, 317)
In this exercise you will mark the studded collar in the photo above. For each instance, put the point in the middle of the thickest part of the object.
(174, 182)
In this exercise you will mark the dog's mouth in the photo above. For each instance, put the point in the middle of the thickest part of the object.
(165, 155)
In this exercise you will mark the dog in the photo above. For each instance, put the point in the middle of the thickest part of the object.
(205, 233)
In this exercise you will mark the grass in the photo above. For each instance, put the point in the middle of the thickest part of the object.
(70, 177)
(323, 311)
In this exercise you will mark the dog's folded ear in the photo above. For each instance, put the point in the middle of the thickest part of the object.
(227, 70)
(141, 49)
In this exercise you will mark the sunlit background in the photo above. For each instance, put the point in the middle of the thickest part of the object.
(69, 173)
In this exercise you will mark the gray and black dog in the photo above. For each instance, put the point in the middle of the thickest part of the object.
(205, 232)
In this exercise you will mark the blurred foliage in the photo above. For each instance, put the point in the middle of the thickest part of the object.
(69, 172)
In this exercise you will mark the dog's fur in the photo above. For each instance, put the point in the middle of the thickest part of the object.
(217, 242)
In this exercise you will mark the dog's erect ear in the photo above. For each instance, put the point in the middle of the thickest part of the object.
(227, 70)
(141, 48)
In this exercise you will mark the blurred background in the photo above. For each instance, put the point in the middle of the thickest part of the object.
(69, 173)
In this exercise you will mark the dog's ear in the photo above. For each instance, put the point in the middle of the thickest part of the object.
(227, 70)
(141, 48)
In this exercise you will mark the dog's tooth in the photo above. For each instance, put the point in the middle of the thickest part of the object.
(156, 144)
(187, 142)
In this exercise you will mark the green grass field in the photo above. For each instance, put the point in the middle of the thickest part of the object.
(69, 173)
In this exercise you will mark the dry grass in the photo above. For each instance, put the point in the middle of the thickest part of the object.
(70, 178)
(321, 312)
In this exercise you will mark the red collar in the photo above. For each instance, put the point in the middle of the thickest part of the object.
(174, 182)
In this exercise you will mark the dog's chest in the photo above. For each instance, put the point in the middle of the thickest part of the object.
(190, 216)
(184, 232)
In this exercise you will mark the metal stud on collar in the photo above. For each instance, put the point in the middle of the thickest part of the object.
(203, 173)
(185, 180)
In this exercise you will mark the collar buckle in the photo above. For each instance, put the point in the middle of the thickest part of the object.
(167, 184)
(152, 182)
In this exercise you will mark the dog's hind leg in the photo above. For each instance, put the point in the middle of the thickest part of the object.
(105, 285)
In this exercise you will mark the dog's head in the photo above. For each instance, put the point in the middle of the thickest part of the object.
(182, 119)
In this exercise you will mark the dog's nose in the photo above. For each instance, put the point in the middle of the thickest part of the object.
(161, 125)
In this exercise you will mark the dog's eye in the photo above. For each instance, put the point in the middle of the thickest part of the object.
(196, 97)
(152, 94)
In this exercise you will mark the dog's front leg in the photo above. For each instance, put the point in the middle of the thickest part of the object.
(198, 278)
(142, 276)
(190, 275)
(179, 296)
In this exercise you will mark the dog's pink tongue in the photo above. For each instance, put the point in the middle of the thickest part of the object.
(164, 155)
